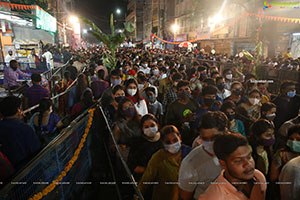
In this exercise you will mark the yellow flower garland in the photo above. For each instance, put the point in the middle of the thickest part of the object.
(67, 168)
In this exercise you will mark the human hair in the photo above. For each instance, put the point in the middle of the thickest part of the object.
(148, 116)
(228, 104)
(116, 88)
(294, 129)
(226, 144)
(215, 119)
(249, 76)
(150, 89)
(214, 73)
(176, 77)
(120, 113)
(115, 72)
(201, 68)
(35, 77)
(255, 91)
(210, 89)
(101, 74)
(235, 83)
(173, 70)
(137, 94)
(44, 105)
(87, 97)
(167, 130)
(259, 127)
(209, 81)
(9, 106)
(82, 84)
(265, 107)
(13, 62)
(226, 70)
(67, 75)
(182, 83)
(163, 69)
(286, 84)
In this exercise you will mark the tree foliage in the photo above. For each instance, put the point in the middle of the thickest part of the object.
(112, 41)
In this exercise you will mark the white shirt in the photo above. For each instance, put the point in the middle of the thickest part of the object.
(290, 175)
(146, 70)
(197, 171)
(8, 58)
(141, 108)
(224, 95)
(49, 59)
(31, 61)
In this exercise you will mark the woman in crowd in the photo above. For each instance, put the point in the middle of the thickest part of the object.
(262, 139)
(85, 102)
(110, 110)
(98, 86)
(61, 87)
(145, 146)
(45, 122)
(252, 106)
(164, 165)
(235, 125)
(76, 91)
(127, 125)
(290, 151)
(132, 92)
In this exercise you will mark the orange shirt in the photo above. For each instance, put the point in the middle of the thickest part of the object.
(223, 190)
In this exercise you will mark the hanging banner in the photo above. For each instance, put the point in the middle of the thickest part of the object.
(18, 6)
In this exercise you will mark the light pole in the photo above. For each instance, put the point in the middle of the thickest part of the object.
(118, 11)
(76, 30)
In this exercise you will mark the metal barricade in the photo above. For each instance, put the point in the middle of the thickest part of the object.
(49, 163)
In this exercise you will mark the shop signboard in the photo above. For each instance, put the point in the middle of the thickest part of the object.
(44, 20)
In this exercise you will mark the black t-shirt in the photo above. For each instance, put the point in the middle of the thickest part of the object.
(286, 110)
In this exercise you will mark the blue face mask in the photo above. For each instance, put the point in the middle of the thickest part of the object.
(116, 82)
(291, 94)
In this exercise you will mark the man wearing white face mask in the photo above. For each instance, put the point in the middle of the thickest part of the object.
(164, 165)
(144, 68)
(201, 166)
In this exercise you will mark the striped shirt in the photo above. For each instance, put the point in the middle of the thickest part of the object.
(35, 93)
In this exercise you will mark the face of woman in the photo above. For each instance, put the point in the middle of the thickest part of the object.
(149, 124)
(119, 93)
(127, 105)
(255, 95)
(132, 86)
(269, 134)
(295, 137)
(171, 138)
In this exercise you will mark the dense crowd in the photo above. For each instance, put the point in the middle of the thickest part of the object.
(188, 127)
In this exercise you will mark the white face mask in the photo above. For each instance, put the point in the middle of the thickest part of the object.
(254, 101)
(156, 71)
(155, 63)
(151, 132)
(173, 148)
(229, 76)
(208, 146)
(131, 92)
(140, 86)
(145, 65)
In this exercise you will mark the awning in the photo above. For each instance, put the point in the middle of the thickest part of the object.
(29, 35)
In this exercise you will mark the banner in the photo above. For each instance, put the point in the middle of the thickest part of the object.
(18, 6)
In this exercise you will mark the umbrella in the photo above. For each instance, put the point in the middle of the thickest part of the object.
(185, 44)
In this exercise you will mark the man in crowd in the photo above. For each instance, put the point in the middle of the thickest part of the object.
(18, 142)
(49, 59)
(287, 103)
(36, 92)
(239, 179)
(9, 57)
(200, 167)
(11, 75)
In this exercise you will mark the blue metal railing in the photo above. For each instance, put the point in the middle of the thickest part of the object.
(49, 163)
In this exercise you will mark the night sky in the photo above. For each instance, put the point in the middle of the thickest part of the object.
(99, 11)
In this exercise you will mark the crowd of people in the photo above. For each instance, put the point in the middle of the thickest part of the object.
(187, 128)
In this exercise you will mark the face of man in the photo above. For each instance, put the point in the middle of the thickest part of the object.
(10, 53)
(239, 166)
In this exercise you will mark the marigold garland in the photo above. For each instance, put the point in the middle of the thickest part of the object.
(70, 164)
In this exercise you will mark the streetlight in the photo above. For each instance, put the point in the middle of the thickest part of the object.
(73, 20)
(174, 28)
(118, 11)
(84, 31)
